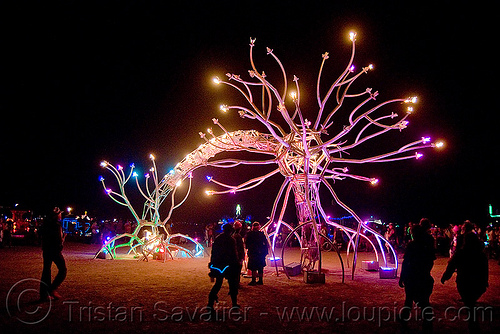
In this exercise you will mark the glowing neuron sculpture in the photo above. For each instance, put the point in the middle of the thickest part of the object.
(305, 153)
(310, 153)
(155, 237)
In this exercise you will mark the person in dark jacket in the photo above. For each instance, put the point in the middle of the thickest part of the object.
(416, 277)
(256, 244)
(224, 264)
(52, 245)
(240, 246)
(471, 264)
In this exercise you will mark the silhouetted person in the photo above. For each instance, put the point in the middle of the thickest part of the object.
(416, 277)
(224, 264)
(240, 246)
(407, 233)
(52, 245)
(471, 265)
(256, 244)
(209, 234)
(391, 236)
(7, 233)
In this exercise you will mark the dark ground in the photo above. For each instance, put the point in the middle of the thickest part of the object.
(135, 296)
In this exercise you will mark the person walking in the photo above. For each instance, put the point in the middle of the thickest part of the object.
(471, 264)
(257, 250)
(52, 246)
(416, 277)
(224, 264)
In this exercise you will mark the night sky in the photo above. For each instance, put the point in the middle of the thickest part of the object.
(84, 81)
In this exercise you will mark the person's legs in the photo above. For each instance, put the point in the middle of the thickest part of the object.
(61, 273)
(261, 276)
(212, 296)
(422, 300)
(427, 315)
(233, 290)
(405, 313)
(240, 267)
(46, 276)
(254, 278)
(470, 306)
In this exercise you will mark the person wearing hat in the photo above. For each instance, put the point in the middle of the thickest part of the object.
(256, 245)
(52, 245)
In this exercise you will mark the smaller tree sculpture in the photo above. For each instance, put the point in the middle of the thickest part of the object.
(151, 234)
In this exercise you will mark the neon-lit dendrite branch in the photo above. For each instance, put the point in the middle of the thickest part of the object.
(332, 145)
(174, 206)
(154, 191)
(336, 84)
(121, 197)
(303, 129)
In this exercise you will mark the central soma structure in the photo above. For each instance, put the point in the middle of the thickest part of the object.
(310, 153)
